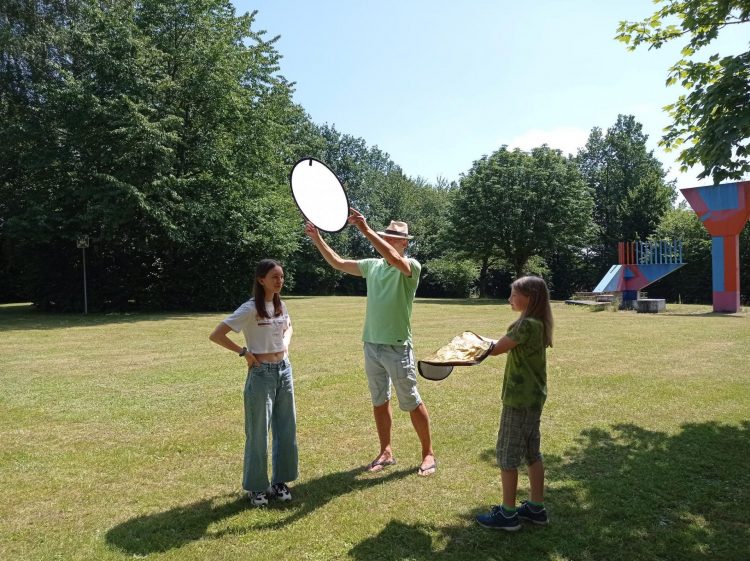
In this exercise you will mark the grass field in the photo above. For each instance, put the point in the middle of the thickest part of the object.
(121, 437)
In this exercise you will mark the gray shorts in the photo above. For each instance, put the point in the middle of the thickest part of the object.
(519, 437)
(392, 363)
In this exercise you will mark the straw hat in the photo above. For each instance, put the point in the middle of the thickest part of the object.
(397, 229)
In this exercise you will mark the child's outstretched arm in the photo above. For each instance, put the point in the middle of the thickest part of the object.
(502, 345)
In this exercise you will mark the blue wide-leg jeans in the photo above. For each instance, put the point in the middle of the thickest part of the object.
(269, 404)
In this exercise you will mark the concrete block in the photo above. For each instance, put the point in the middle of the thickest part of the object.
(650, 305)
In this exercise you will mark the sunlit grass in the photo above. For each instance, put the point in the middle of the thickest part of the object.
(121, 436)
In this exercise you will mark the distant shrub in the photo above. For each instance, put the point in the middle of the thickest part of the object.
(449, 278)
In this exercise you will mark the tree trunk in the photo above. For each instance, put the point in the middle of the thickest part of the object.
(483, 277)
(519, 265)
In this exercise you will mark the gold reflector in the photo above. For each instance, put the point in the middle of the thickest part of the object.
(463, 350)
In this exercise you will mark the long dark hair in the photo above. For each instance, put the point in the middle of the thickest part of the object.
(259, 293)
(536, 290)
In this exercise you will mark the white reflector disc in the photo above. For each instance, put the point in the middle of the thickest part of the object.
(319, 195)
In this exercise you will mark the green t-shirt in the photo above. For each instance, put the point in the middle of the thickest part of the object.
(390, 294)
(525, 380)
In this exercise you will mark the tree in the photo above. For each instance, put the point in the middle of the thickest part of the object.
(692, 282)
(430, 218)
(513, 205)
(628, 186)
(375, 186)
(712, 121)
(160, 129)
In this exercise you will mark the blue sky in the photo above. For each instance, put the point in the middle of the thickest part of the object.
(438, 84)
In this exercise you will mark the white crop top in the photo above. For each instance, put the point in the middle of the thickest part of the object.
(262, 335)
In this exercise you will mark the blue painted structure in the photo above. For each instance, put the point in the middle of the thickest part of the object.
(641, 264)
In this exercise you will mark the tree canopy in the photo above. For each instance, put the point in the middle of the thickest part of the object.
(628, 185)
(711, 123)
(513, 205)
(164, 131)
(161, 130)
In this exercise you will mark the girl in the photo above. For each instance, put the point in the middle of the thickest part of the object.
(269, 389)
(523, 395)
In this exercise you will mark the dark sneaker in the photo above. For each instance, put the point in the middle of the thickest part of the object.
(532, 513)
(258, 498)
(280, 491)
(498, 519)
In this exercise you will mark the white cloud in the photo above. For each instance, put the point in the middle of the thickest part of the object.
(567, 139)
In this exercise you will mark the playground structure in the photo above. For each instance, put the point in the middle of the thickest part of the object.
(640, 264)
(723, 209)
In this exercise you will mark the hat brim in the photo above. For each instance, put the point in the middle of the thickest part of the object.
(397, 236)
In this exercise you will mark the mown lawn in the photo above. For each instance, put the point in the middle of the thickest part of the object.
(121, 437)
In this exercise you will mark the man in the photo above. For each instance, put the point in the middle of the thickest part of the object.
(391, 284)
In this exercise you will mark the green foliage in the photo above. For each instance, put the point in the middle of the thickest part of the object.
(379, 189)
(711, 124)
(362, 170)
(513, 205)
(448, 277)
(628, 186)
(164, 131)
(691, 283)
(536, 265)
(430, 219)
(160, 130)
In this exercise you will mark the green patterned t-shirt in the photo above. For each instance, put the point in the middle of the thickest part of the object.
(525, 380)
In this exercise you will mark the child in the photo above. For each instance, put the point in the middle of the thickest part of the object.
(269, 389)
(523, 395)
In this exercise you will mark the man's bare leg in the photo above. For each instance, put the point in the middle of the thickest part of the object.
(383, 421)
(420, 418)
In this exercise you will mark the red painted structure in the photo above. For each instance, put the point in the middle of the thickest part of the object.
(639, 265)
(724, 210)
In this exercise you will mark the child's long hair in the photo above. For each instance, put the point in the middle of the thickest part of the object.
(538, 293)
(259, 293)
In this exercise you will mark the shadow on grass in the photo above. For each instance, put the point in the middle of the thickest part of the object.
(462, 301)
(27, 318)
(552, 464)
(736, 315)
(623, 494)
(174, 528)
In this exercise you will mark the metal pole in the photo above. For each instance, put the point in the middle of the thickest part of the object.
(85, 295)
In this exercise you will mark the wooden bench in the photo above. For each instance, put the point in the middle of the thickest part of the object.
(594, 296)
(590, 303)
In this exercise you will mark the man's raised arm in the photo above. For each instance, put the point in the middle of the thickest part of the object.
(332, 258)
(385, 249)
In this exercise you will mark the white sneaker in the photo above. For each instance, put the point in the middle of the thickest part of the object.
(279, 491)
(258, 498)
